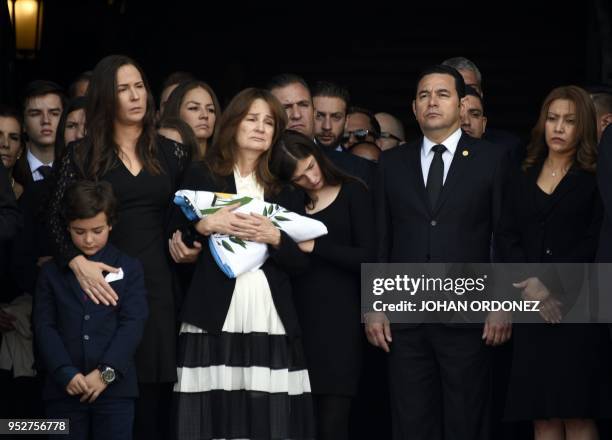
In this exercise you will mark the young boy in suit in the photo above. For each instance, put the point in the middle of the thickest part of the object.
(87, 349)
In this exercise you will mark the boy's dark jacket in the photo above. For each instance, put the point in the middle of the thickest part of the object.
(73, 334)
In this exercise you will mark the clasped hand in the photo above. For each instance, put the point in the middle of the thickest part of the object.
(252, 227)
(88, 387)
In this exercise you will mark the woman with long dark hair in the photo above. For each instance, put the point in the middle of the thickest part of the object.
(71, 126)
(241, 369)
(122, 147)
(327, 296)
(560, 376)
(195, 103)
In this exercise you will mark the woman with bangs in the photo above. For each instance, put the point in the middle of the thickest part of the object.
(144, 169)
(560, 376)
(241, 369)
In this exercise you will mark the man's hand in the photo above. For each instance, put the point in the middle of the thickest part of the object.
(497, 328)
(378, 330)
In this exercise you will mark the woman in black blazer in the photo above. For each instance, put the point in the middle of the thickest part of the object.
(241, 368)
(552, 214)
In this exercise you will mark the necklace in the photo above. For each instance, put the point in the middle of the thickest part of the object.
(555, 173)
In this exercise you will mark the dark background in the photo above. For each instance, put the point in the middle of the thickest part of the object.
(375, 49)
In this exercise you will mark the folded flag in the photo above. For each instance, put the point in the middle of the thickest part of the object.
(233, 255)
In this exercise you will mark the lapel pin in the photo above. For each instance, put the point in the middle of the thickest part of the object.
(465, 153)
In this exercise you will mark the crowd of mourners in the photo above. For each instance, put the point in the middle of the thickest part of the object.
(117, 313)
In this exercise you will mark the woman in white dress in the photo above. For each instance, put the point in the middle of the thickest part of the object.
(241, 368)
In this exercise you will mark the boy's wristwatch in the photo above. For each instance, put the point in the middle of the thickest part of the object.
(107, 374)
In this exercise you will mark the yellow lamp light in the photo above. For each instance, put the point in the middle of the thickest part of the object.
(26, 16)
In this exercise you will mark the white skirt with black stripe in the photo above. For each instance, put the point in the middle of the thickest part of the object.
(249, 382)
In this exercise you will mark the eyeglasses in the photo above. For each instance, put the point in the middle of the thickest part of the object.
(360, 134)
(387, 135)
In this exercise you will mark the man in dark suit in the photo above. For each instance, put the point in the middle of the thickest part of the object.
(438, 201)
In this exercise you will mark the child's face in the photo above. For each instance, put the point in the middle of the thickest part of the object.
(90, 235)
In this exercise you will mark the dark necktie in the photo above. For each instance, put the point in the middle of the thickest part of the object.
(44, 170)
(435, 178)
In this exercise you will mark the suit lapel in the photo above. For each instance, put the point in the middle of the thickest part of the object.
(415, 172)
(461, 160)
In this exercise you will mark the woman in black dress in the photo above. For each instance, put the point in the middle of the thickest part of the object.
(327, 297)
(560, 374)
(144, 169)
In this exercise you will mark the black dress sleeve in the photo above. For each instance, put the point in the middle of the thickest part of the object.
(361, 217)
(10, 217)
(507, 241)
(177, 158)
(64, 249)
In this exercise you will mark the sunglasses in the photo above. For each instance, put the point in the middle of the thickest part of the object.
(387, 135)
(360, 134)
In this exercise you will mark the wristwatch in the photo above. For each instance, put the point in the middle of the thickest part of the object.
(107, 374)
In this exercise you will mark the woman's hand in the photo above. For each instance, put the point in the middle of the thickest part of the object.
(533, 289)
(180, 252)
(224, 221)
(306, 246)
(90, 277)
(260, 229)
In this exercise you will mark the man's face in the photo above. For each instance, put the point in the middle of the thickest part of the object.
(41, 116)
(296, 101)
(470, 79)
(437, 105)
(473, 121)
(330, 117)
(358, 129)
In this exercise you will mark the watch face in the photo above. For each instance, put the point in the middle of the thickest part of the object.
(108, 375)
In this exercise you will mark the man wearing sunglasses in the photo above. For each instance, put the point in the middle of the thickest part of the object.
(391, 131)
(361, 126)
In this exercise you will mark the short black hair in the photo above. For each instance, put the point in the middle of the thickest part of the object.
(444, 70)
(42, 87)
(87, 198)
(285, 79)
(471, 91)
(373, 121)
(332, 90)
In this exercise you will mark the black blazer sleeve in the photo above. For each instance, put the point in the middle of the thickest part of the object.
(362, 227)
(64, 249)
(10, 216)
(382, 215)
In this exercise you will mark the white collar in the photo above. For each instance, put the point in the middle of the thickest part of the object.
(450, 143)
(34, 162)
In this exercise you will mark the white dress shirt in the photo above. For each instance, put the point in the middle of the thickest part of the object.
(34, 165)
(427, 154)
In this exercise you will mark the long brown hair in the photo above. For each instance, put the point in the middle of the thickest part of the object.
(97, 153)
(585, 140)
(175, 100)
(222, 155)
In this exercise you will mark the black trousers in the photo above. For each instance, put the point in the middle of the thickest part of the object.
(440, 383)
